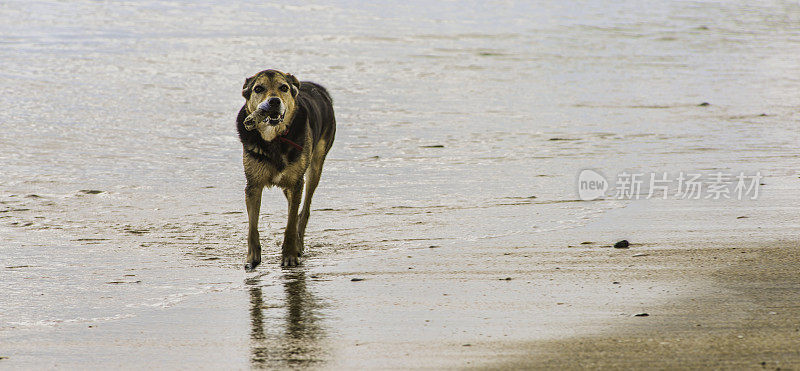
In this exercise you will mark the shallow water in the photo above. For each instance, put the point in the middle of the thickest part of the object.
(460, 124)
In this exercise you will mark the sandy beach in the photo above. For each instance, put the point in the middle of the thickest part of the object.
(451, 228)
(743, 316)
(709, 305)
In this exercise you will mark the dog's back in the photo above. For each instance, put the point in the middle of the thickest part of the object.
(317, 102)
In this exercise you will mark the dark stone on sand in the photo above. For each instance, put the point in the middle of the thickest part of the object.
(742, 217)
(506, 279)
(90, 191)
(641, 315)
(356, 279)
(615, 283)
(704, 104)
(433, 146)
(624, 244)
(587, 243)
(557, 138)
(433, 246)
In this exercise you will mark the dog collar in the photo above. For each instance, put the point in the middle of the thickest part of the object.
(286, 140)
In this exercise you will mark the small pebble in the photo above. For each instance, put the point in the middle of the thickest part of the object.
(624, 244)
(704, 104)
(641, 315)
(356, 279)
(90, 191)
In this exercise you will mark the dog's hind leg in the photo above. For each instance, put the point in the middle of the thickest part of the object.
(312, 180)
(290, 248)
(253, 200)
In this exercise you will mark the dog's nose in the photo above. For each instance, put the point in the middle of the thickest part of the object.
(271, 104)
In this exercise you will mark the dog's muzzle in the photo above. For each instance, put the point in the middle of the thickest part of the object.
(271, 111)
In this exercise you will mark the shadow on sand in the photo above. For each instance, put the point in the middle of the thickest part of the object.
(285, 334)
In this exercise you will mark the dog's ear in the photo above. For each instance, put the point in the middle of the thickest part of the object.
(295, 84)
(247, 88)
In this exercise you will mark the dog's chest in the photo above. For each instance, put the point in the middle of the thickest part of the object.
(276, 169)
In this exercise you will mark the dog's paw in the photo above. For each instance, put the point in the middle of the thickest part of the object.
(251, 266)
(290, 261)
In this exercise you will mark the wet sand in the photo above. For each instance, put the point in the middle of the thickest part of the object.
(733, 307)
(708, 305)
(745, 315)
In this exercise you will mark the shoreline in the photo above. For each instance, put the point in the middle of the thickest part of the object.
(747, 317)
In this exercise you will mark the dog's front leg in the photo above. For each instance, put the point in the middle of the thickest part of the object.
(291, 251)
(253, 200)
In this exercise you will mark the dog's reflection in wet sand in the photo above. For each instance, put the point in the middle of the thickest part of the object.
(285, 334)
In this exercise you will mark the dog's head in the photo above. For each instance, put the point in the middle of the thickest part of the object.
(271, 104)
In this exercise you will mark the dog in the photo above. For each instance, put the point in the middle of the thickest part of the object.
(286, 128)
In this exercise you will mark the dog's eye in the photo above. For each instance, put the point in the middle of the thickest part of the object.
(284, 88)
(258, 89)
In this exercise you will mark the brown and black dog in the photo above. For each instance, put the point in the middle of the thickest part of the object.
(286, 128)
